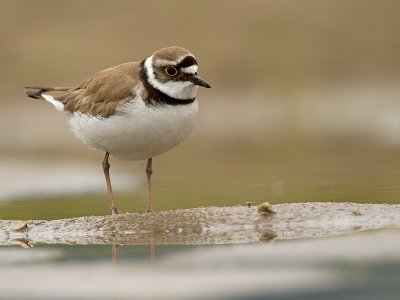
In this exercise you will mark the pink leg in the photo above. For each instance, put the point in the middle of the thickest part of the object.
(106, 170)
(149, 172)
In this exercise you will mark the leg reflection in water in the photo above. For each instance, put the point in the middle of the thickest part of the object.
(152, 251)
(115, 247)
(114, 254)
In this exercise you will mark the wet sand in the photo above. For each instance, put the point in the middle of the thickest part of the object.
(208, 225)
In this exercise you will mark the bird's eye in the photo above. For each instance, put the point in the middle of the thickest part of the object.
(171, 71)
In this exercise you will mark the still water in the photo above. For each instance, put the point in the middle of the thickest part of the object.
(203, 175)
(332, 268)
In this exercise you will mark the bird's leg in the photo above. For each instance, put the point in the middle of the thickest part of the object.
(149, 171)
(106, 170)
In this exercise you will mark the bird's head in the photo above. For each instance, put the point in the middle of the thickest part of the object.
(173, 71)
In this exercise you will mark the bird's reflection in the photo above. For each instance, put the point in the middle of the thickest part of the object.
(152, 251)
(114, 254)
(115, 248)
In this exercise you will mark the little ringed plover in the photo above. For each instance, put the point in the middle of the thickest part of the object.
(132, 111)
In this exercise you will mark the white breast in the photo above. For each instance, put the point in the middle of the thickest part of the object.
(137, 131)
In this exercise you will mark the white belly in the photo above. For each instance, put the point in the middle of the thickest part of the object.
(137, 131)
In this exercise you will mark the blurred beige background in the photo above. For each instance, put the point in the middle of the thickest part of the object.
(304, 102)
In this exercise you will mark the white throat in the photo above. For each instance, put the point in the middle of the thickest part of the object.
(174, 89)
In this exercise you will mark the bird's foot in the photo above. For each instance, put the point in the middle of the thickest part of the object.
(149, 209)
(115, 211)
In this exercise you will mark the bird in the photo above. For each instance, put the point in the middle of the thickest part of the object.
(132, 111)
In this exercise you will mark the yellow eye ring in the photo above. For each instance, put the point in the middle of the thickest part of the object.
(171, 71)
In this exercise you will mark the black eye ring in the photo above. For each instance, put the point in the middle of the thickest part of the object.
(171, 71)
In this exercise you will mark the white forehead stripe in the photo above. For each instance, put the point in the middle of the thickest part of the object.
(191, 70)
(163, 62)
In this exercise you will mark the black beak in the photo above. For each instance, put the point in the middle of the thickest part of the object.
(198, 81)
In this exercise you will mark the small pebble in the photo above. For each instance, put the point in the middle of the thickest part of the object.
(266, 208)
(21, 226)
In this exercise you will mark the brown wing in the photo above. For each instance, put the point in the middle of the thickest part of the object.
(99, 95)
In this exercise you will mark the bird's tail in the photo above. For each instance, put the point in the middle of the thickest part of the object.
(52, 95)
(36, 92)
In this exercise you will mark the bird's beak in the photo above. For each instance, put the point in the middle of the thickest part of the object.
(198, 81)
